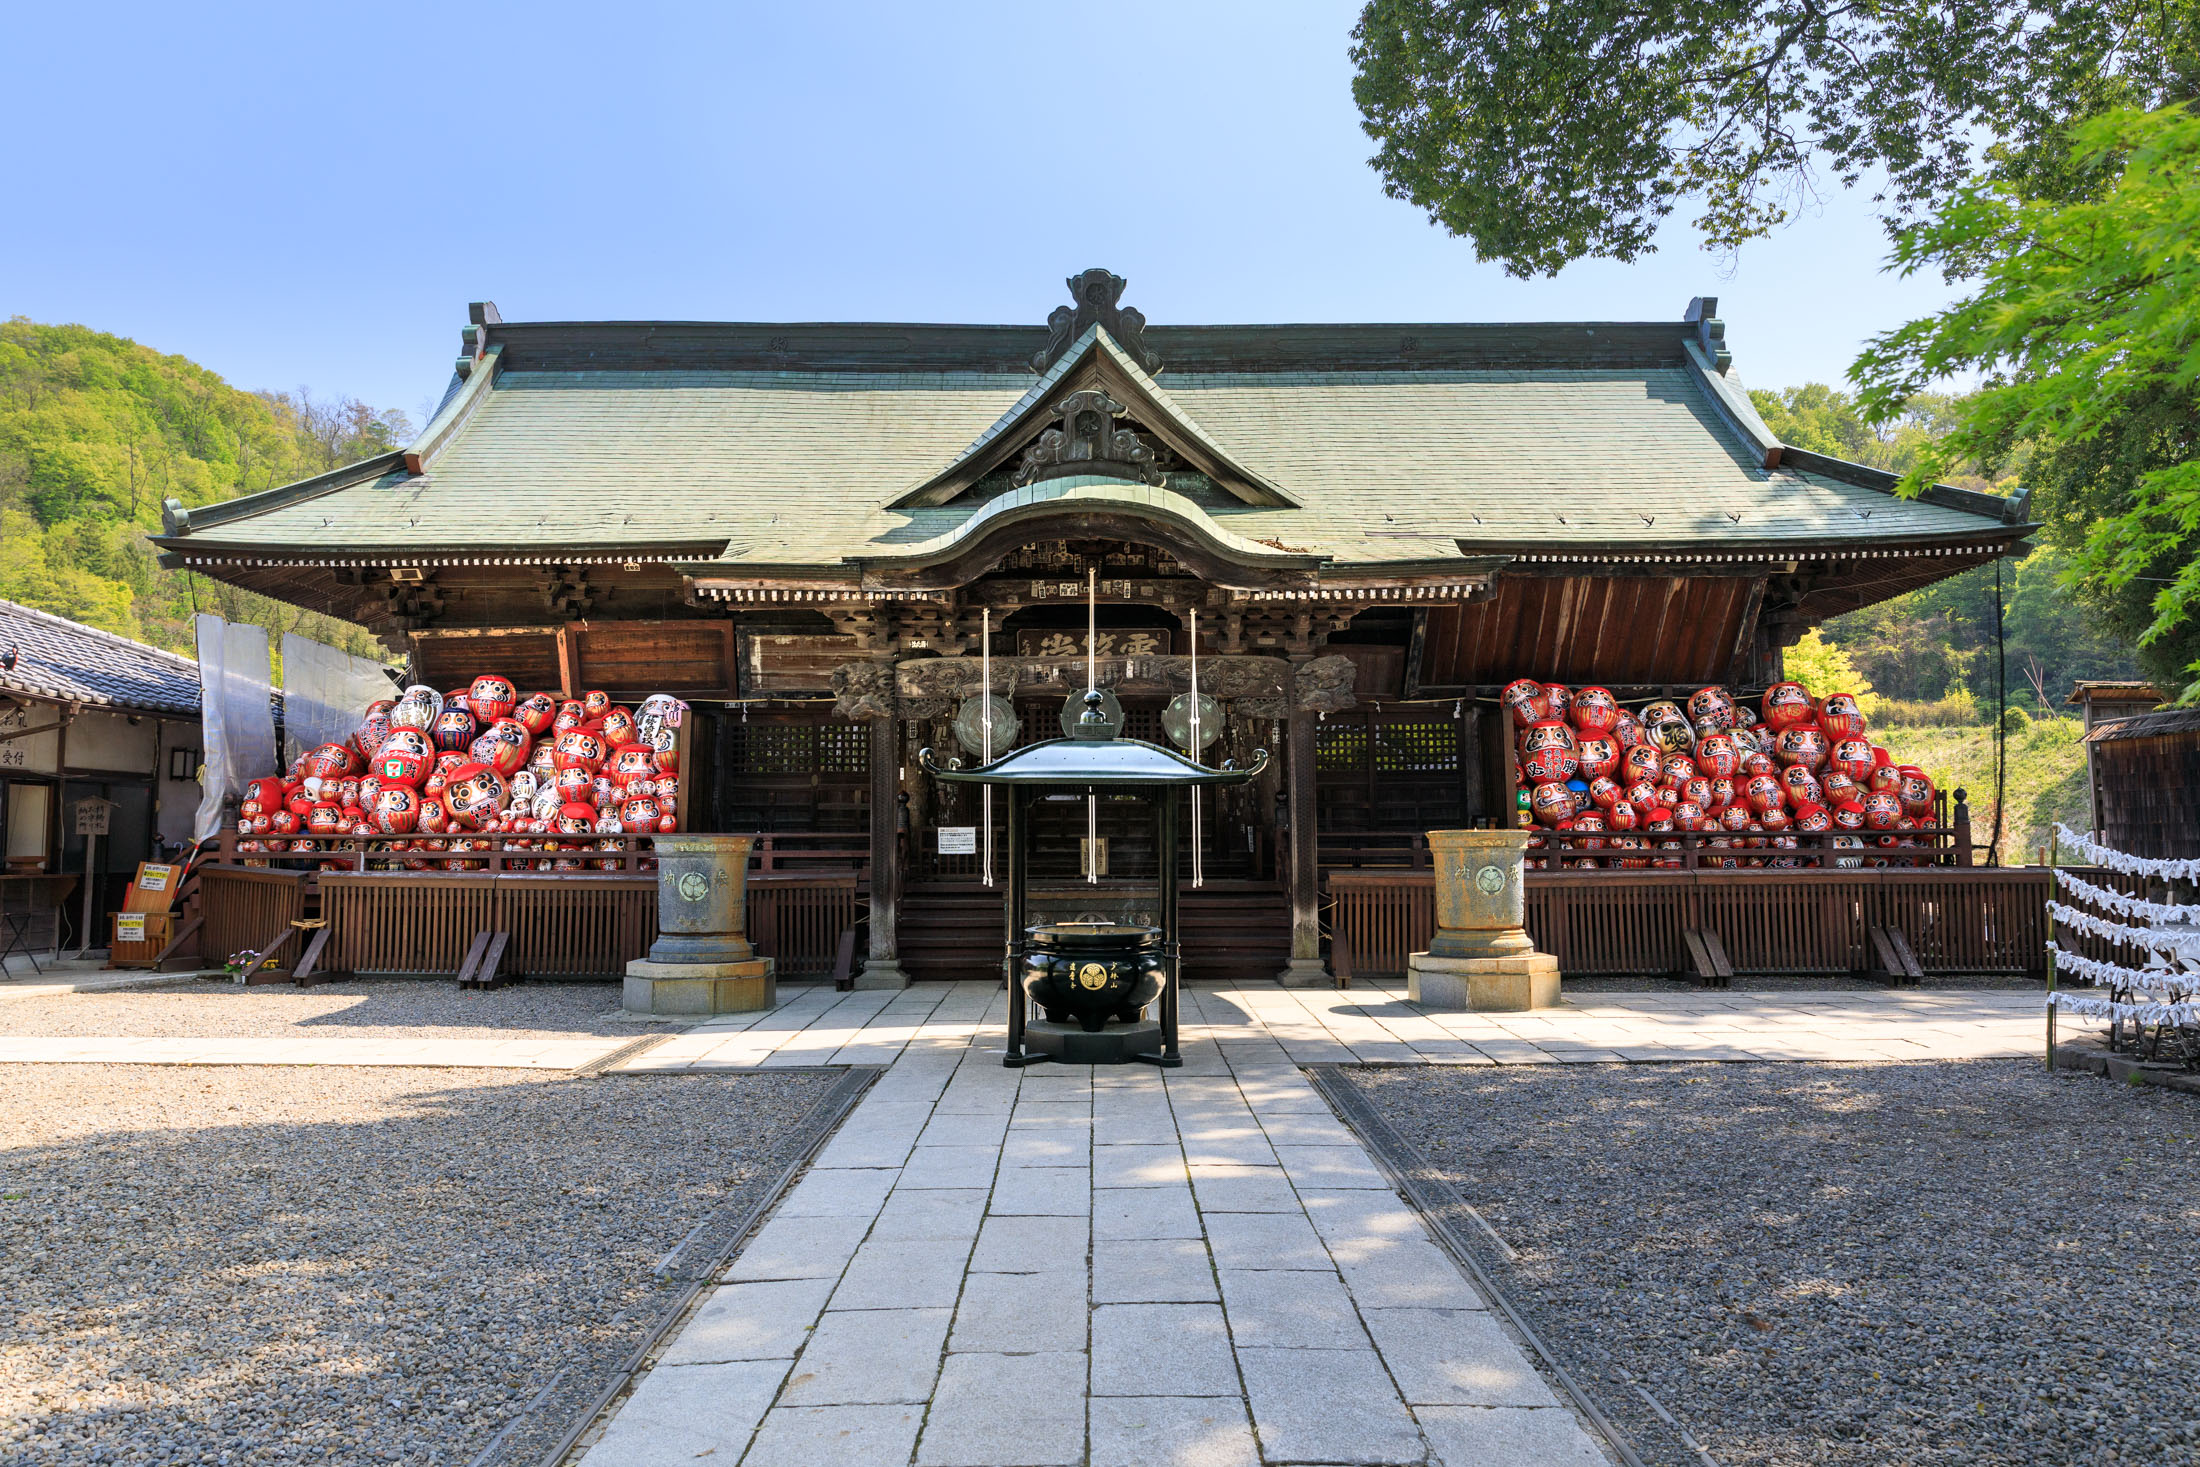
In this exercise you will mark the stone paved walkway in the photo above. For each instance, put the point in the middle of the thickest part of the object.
(1200, 1268)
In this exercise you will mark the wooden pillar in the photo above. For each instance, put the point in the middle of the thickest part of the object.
(1304, 970)
(881, 967)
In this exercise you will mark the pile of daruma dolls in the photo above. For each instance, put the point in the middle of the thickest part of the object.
(1620, 785)
(478, 769)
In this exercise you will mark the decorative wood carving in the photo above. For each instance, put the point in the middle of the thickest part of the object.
(1324, 685)
(1087, 442)
(863, 690)
(1096, 293)
(411, 605)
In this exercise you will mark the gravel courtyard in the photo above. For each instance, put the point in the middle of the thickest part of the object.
(1841, 1264)
(382, 1009)
(278, 1265)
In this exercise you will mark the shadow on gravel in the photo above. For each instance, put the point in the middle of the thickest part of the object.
(1840, 1264)
(351, 1265)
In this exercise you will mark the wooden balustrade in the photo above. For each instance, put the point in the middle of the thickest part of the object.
(1630, 923)
(245, 909)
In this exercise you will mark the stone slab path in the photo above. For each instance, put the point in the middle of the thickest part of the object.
(1200, 1268)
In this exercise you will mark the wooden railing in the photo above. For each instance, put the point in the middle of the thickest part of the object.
(386, 917)
(1614, 923)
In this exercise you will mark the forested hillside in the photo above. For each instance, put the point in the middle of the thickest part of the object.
(96, 430)
(1938, 643)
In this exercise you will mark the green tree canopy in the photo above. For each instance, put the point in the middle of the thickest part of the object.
(96, 430)
(2085, 327)
(1548, 131)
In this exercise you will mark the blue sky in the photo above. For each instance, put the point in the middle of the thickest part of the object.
(309, 195)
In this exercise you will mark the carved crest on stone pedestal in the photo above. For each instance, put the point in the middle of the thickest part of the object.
(1096, 293)
(1086, 441)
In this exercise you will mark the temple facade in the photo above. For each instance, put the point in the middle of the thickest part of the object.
(812, 532)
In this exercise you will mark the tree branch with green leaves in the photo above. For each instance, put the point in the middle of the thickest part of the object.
(2084, 327)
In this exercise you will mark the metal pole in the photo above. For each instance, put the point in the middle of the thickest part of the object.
(1014, 944)
(985, 732)
(1092, 680)
(1171, 952)
(1199, 864)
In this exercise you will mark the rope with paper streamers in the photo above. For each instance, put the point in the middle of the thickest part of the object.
(2179, 1014)
(2122, 905)
(2146, 937)
(2119, 977)
(2096, 854)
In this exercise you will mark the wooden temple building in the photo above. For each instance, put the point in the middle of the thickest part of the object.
(802, 529)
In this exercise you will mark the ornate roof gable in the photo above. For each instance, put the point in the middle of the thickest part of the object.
(1067, 423)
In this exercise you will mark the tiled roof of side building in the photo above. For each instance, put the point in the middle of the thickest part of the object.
(66, 661)
(795, 467)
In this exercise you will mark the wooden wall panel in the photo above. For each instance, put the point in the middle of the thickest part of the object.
(1607, 629)
(529, 659)
(656, 657)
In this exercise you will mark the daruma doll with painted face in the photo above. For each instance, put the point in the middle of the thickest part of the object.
(417, 708)
(492, 697)
(595, 703)
(618, 727)
(396, 810)
(1801, 785)
(536, 712)
(1561, 698)
(1526, 701)
(1853, 757)
(1840, 716)
(1717, 756)
(1915, 792)
(1882, 810)
(1595, 711)
(571, 715)
(1804, 744)
(475, 794)
(1786, 705)
(1711, 706)
(455, 729)
(580, 749)
(503, 746)
(405, 757)
(1548, 733)
(1598, 755)
(1667, 729)
(1551, 802)
(1763, 793)
(635, 761)
(1639, 761)
(640, 815)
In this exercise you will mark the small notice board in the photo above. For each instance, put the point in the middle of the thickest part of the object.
(958, 840)
(91, 815)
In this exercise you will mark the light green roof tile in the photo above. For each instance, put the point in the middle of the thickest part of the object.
(796, 468)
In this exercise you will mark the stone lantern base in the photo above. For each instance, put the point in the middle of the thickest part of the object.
(1491, 985)
(699, 988)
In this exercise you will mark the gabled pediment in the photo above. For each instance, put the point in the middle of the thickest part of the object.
(1095, 411)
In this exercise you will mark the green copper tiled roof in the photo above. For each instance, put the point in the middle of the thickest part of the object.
(796, 468)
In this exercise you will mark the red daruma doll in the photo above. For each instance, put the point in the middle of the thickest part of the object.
(492, 697)
(580, 749)
(1764, 793)
(1805, 744)
(1595, 711)
(1717, 756)
(1853, 757)
(1550, 766)
(1786, 705)
(1883, 810)
(1840, 716)
(1599, 756)
(1550, 803)
(1639, 761)
(1915, 792)
(396, 810)
(475, 795)
(536, 712)
(405, 757)
(1525, 699)
(1562, 700)
(1711, 707)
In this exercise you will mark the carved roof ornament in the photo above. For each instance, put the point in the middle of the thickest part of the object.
(1087, 442)
(1096, 293)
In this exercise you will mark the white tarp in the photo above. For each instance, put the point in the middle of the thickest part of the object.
(237, 721)
(325, 693)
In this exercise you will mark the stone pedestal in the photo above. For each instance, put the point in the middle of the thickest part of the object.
(1117, 1044)
(1481, 956)
(1493, 985)
(701, 962)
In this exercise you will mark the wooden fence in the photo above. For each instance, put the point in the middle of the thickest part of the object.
(247, 909)
(1613, 923)
(562, 926)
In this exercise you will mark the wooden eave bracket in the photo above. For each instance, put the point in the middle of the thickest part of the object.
(1096, 361)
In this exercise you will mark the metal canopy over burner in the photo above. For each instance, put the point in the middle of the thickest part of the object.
(1097, 971)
